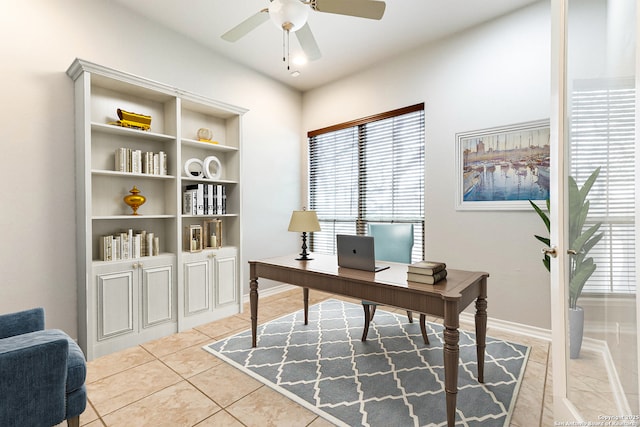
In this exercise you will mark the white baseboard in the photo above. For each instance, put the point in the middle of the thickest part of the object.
(271, 291)
(602, 347)
(511, 327)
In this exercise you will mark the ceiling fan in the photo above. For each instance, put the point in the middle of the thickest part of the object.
(291, 16)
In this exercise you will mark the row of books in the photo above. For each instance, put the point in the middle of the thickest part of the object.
(204, 199)
(429, 272)
(128, 244)
(137, 161)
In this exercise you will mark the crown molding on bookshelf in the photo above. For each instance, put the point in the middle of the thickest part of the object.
(134, 82)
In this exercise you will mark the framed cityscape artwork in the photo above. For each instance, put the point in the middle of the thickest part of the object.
(503, 168)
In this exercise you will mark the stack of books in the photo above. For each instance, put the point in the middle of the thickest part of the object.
(204, 199)
(429, 272)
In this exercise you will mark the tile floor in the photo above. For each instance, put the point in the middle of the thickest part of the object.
(174, 382)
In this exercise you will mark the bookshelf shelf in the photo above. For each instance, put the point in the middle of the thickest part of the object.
(207, 145)
(129, 299)
(117, 174)
(205, 180)
(130, 217)
(211, 216)
(117, 130)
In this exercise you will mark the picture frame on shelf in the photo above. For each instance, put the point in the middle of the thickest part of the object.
(502, 168)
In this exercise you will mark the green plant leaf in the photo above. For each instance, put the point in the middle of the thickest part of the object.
(546, 260)
(579, 279)
(575, 202)
(579, 243)
(544, 240)
(586, 187)
(591, 243)
(582, 241)
(542, 215)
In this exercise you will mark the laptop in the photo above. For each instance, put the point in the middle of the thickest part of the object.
(357, 252)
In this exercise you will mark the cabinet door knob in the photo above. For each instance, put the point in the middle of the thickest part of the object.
(134, 265)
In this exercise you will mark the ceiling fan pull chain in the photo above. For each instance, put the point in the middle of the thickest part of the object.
(288, 48)
(283, 47)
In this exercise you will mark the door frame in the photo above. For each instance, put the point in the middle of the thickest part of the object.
(563, 409)
(637, 201)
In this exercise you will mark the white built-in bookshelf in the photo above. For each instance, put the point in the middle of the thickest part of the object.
(131, 292)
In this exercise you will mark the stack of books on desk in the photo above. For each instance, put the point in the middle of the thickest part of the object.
(429, 272)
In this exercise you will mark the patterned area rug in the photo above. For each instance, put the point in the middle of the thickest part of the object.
(392, 379)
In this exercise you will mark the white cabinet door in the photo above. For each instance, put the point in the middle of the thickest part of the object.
(226, 280)
(157, 292)
(197, 285)
(116, 294)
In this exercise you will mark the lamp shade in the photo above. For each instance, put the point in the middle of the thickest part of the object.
(304, 221)
(292, 12)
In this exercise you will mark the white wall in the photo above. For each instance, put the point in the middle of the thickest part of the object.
(496, 74)
(39, 39)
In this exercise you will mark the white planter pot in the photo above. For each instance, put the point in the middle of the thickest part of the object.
(576, 329)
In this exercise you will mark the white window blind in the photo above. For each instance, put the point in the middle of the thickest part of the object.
(368, 171)
(602, 134)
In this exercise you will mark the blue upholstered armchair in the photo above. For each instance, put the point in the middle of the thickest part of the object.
(42, 373)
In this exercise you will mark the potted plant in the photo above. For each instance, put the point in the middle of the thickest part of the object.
(580, 243)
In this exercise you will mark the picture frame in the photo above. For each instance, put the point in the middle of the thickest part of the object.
(502, 168)
(193, 238)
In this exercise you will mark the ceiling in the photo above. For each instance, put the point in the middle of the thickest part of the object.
(348, 44)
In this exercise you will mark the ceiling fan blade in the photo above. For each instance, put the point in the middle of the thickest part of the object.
(308, 43)
(370, 9)
(246, 26)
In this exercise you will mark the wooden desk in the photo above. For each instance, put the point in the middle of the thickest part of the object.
(446, 299)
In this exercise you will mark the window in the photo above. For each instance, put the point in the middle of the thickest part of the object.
(602, 133)
(365, 171)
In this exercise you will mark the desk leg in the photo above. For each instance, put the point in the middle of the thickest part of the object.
(253, 301)
(481, 328)
(305, 297)
(451, 354)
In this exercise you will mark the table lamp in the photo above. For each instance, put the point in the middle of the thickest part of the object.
(304, 221)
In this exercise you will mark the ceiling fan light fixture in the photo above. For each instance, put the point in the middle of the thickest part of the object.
(299, 59)
(288, 13)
